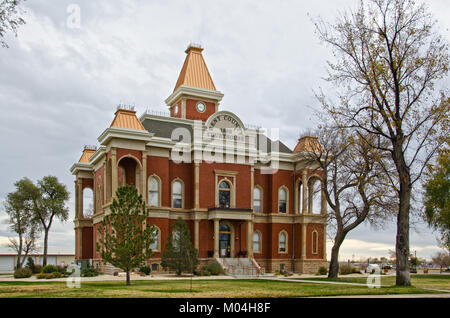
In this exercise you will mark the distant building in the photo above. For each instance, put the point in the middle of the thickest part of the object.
(9, 261)
(262, 202)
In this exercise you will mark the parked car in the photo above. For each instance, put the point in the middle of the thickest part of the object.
(413, 270)
(387, 267)
(372, 268)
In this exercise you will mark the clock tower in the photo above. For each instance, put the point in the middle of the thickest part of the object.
(195, 96)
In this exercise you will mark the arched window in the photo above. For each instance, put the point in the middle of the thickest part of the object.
(300, 198)
(224, 194)
(314, 195)
(177, 194)
(256, 242)
(257, 196)
(176, 239)
(282, 242)
(153, 191)
(88, 203)
(282, 200)
(155, 245)
(315, 242)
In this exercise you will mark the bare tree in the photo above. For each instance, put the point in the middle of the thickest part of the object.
(24, 248)
(9, 18)
(389, 58)
(354, 184)
(442, 260)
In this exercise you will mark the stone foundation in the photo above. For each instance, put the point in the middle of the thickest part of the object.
(301, 266)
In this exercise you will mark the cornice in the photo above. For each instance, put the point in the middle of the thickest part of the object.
(124, 133)
(195, 92)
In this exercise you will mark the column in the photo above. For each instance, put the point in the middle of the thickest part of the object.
(197, 185)
(76, 199)
(305, 192)
(303, 240)
(144, 176)
(196, 233)
(216, 238)
(252, 185)
(114, 176)
(105, 195)
(323, 200)
(79, 199)
(249, 238)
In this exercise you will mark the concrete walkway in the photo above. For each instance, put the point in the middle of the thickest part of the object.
(447, 295)
(315, 281)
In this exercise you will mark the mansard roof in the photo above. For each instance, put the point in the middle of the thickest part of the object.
(126, 118)
(163, 128)
(195, 72)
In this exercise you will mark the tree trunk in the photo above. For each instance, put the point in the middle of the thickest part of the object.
(334, 262)
(128, 277)
(402, 239)
(19, 253)
(44, 261)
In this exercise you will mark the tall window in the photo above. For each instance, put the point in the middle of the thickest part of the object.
(282, 199)
(153, 191)
(315, 242)
(155, 245)
(256, 242)
(177, 194)
(257, 199)
(282, 242)
(224, 194)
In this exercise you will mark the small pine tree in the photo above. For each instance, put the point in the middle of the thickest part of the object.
(124, 239)
(180, 255)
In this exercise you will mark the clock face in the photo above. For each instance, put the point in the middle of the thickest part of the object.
(201, 107)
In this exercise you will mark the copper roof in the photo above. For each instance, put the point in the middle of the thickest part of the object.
(126, 119)
(87, 153)
(195, 72)
(307, 143)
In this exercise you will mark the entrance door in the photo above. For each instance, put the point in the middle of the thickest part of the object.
(224, 245)
(224, 241)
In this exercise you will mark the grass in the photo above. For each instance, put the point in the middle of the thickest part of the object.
(419, 281)
(201, 289)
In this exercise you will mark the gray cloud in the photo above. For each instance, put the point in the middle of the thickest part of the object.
(59, 86)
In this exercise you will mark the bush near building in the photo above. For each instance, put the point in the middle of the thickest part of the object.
(47, 269)
(322, 271)
(22, 273)
(145, 270)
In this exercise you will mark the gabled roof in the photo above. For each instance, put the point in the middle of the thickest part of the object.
(309, 144)
(126, 118)
(195, 72)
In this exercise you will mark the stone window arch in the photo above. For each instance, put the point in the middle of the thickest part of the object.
(257, 199)
(283, 199)
(225, 193)
(283, 242)
(257, 242)
(177, 193)
(154, 191)
(315, 242)
(156, 245)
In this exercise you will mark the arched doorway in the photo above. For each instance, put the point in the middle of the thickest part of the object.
(225, 240)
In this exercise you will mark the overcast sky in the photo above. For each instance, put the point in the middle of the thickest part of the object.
(60, 84)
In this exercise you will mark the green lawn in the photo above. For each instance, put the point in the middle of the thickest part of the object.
(201, 288)
(419, 281)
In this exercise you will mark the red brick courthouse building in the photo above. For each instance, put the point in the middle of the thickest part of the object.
(241, 194)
